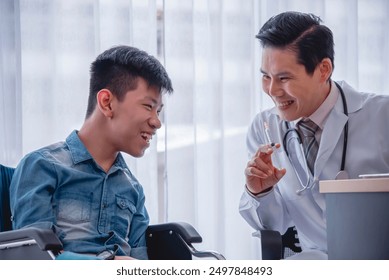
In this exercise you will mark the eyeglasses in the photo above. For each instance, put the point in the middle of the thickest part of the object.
(294, 149)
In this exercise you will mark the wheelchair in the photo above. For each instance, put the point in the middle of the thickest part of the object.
(277, 246)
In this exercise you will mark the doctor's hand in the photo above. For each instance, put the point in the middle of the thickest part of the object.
(261, 175)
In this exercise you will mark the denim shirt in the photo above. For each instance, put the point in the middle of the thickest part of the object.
(62, 187)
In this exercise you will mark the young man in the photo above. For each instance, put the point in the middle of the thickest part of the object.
(282, 179)
(82, 188)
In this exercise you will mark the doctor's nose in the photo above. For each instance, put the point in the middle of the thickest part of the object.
(272, 88)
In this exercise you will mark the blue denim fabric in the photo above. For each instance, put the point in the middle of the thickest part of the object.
(62, 187)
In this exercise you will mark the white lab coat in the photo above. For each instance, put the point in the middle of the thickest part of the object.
(367, 152)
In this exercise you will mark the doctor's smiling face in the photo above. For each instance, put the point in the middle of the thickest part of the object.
(295, 93)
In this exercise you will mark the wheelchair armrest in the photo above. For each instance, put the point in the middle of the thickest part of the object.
(173, 241)
(45, 238)
(290, 240)
(185, 230)
(271, 243)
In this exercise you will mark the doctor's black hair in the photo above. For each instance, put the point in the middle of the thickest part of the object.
(118, 69)
(301, 33)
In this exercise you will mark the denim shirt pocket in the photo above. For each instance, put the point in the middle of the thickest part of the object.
(75, 207)
(125, 210)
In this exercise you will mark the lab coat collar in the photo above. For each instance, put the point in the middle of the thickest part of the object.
(353, 98)
(335, 125)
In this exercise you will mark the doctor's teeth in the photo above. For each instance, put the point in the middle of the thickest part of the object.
(282, 104)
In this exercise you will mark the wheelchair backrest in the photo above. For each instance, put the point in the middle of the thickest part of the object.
(6, 174)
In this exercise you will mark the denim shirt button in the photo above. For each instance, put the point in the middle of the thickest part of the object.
(123, 204)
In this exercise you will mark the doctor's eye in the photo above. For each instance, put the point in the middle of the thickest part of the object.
(284, 79)
(265, 77)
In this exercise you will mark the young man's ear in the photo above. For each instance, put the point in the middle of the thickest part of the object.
(104, 101)
(325, 69)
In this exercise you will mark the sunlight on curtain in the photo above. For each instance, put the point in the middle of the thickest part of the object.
(57, 46)
(209, 55)
(373, 46)
(10, 92)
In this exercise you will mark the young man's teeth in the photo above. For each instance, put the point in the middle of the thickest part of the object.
(147, 137)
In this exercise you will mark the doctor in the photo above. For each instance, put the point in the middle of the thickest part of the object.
(350, 132)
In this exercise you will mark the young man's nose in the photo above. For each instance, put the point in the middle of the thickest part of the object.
(155, 122)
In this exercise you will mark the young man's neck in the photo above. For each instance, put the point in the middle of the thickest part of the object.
(96, 144)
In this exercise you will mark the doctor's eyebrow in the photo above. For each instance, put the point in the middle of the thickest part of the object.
(283, 73)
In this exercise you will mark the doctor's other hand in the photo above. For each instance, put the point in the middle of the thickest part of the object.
(261, 175)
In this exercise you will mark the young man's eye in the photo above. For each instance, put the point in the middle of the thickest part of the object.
(148, 106)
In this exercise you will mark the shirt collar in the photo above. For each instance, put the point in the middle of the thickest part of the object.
(77, 149)
(319, 117)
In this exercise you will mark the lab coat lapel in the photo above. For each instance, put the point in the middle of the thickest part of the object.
(330, 136)
(335, 125)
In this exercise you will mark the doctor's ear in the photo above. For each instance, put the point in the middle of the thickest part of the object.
(104, 101)
(326, 69)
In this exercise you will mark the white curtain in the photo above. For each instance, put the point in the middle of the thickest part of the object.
(210, 53)
(10, 85)
(194, 170)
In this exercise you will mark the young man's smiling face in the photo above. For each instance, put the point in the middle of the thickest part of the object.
(135, 119)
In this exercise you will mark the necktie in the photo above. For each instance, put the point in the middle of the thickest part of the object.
(308, 129)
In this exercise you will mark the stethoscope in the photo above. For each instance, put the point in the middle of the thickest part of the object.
(309, 182)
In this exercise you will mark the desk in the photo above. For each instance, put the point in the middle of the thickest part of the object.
(357, 218)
